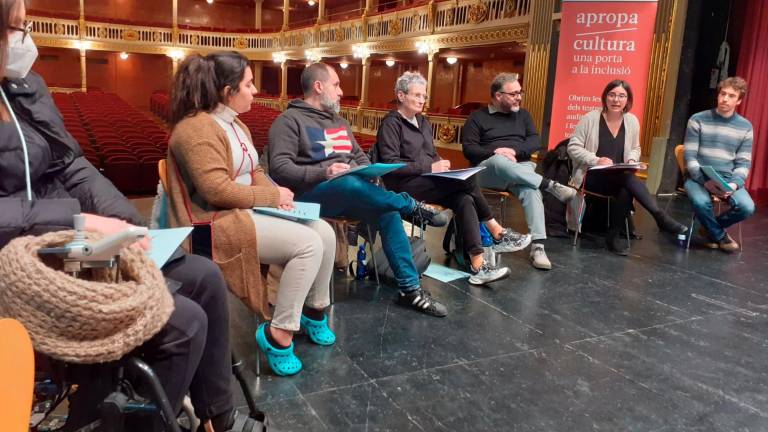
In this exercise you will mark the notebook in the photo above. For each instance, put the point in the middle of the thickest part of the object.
(164, 242)
(370, 171)
(302, 211)
(713, 175)
(458, 174)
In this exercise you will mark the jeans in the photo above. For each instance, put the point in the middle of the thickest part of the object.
(357, 198)
(520, 179)
(740, 203)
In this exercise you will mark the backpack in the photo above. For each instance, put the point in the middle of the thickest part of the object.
(420, 258)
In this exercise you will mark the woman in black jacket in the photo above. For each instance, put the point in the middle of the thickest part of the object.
(405, 136)
(45, 181)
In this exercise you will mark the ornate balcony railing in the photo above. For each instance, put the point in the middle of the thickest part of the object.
(437, 18)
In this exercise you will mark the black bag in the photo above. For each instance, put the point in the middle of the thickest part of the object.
(418, 252)
(556, 166)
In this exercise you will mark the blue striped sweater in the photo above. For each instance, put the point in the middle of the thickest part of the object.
(725, 143)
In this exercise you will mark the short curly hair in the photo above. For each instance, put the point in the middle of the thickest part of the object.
(737, 83)
(408, 79)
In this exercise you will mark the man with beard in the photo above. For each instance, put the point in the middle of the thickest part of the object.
(502, 138)
(309, 144)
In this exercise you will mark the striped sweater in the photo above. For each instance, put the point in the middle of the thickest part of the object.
(725, 143)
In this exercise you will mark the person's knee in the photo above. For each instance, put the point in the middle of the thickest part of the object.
(746, 207)
(212, 280)
(188, 323)
(529, 195)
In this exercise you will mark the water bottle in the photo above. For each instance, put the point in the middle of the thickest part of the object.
(682, 240)
(487, 240)
(362, 264)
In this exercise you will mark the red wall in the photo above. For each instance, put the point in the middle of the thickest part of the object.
(133, 79)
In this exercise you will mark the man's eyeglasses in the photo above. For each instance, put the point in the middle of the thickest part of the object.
(26, 28)
(617, 96)
(514, 94)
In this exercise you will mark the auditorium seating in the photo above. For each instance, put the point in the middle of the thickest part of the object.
(122, 141)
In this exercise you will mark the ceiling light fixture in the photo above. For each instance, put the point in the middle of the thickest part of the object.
(124, 55)
(390, 63)
(209, 1)
(361, 51)
(451, 60)
(311, 3)
(279, 57)
(343, 65)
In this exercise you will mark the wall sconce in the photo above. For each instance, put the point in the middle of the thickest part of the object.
(343, 65)
(389, 63)
(279, 57)
(451, 60)
(176, 54)
(124, 55)
(361, 51)
(424, 47)
(82, 45)
(312, 56)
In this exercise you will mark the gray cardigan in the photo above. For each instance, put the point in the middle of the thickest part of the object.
(582, 147)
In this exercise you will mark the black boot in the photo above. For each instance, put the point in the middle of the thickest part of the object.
(614, 244)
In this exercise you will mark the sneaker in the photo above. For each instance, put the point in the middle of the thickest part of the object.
(421, 300)
(539, 258)
(727, 244)
(511, 241)
(487, 274)
(562, 192)
(430, 215)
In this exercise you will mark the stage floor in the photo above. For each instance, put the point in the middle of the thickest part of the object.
(664, 340)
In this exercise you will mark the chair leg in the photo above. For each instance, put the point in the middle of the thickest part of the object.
(741, 239)
(690, 231)
(373, 255)
(626, 227)
(580, 217)
(331, 289)
(258, 354)
(503, 205)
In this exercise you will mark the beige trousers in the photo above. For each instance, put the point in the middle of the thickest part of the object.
(306, 252)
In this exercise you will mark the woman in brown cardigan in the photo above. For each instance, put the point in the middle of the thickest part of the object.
(214, 177)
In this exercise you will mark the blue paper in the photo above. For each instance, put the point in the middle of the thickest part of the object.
(715, 176)
(444, 274)
(302, 211)
(164, 242)
(370, 171)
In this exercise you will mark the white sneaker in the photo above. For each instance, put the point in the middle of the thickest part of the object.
(539, 258)
(487, 274)
(561, 192)
(511, 241)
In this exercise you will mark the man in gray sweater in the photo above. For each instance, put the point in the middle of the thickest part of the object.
(309, 144)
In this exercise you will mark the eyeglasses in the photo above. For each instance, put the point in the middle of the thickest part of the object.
(617, 96)
(26, 29)
(418, 96)
(513, 94)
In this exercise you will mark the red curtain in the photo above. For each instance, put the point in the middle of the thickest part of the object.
(753, 66)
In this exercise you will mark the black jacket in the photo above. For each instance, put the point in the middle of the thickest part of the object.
(400, 141)
(64, 183)
(484, 132)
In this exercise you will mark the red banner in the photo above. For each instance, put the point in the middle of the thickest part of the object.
(600, 41)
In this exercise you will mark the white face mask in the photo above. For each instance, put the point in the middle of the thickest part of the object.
(21, 55)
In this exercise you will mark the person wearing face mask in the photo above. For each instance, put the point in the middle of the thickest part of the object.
(214, 176)
(607, 136)
(309, 144)
(406, 136)
(45, 181)
(502, 138)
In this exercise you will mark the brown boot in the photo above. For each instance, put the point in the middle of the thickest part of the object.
(708, 242)
(727, 244)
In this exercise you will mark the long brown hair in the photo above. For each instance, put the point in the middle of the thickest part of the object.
(200, 82)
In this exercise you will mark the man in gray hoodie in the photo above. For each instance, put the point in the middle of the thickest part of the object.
(309, 144)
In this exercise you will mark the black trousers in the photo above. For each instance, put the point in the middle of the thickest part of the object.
(462, 196)
(623, 186)
(191, 353)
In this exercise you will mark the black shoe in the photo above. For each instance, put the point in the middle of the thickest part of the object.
(430, 215)
(422, 301)
(613, 244)
(667, 224)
